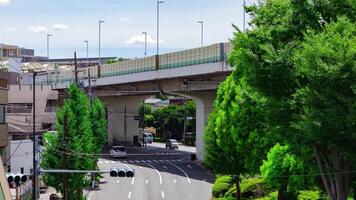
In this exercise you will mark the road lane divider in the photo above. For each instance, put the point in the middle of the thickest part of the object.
(162, 194)
(133, 180)
(186, 175)
(159, 174)
(129, 196)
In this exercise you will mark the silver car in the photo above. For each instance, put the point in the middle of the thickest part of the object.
(172, 144)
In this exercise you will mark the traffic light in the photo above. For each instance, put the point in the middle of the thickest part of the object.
(16, 178)
(120, 172)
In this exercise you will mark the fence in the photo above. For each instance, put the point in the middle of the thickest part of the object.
(208, 54)
(23, 192)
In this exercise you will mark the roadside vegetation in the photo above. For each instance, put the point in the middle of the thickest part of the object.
(287, 112)
(86, 135)
(169, 121)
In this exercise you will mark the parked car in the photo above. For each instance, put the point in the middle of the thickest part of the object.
(172, 144)
(148, 138)
(118, 152)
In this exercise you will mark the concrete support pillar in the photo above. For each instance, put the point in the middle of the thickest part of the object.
(116, 118)
(204, 101)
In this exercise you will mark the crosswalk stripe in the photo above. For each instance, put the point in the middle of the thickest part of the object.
(113, 162)
(106, 162)
(149, 160)
(137, 161)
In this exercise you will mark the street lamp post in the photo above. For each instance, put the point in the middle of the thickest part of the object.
(201, 32)
(48, 35)
(244, 16)
(158, 3)
(145, 33)
(100, 22)
(87, 45)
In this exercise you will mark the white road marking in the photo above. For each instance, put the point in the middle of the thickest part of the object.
(189, 166)
(147, 181)
(90, 195)
(174, 181)
(106, 162)
(133, 180)
(186, 175)
(155, 161)
(137, 161)
(149, 161)
(131, 161)
(116, 182)
(161, 161)
(162, 194)
(140, 167)
(143, 161)
(159, 174)
(129, 197)
(164, 166)
(100, 162)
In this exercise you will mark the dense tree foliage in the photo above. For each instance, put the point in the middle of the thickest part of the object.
(169, 120)
(86, 134)
(293, 84)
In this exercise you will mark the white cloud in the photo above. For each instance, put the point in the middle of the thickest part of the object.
(4, 2)
(10, 29)
(60, 27)
(140, 39)
(123, 19)
(38, 29)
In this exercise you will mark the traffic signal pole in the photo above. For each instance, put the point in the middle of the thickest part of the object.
(65, 178)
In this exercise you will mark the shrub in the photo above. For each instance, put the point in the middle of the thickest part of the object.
(221, 186)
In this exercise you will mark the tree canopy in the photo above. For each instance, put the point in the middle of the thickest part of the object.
(293, 83)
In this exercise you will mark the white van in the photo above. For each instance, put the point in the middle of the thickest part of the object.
(148, 138)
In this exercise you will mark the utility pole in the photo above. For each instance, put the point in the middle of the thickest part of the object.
(75, 68)
(65, 178)
(34, 180)
(125, 126)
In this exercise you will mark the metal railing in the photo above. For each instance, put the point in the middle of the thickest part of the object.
(207, 54)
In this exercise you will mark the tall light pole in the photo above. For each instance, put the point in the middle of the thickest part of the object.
(145, 33)
(202, 32)
(244, 16)
(99, 69)
(87, 45)
(48, 35)
(158, 3)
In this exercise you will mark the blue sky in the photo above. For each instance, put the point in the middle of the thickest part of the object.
(26, 23)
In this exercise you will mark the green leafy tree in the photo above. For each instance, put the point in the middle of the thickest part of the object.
(281, 170)
(79, 141)
(144, 109)
(233, 143)
(326, 102)
(266, 96)
(99, 124)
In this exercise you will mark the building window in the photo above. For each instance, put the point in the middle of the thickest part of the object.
(19, 108)
(2, 114)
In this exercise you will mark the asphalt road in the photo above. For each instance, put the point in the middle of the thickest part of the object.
(171, 177)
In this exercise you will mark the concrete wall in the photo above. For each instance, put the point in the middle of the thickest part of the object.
(116, 112)
(4, 186)
(3, 135)
(22, 122)
(21, 151)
